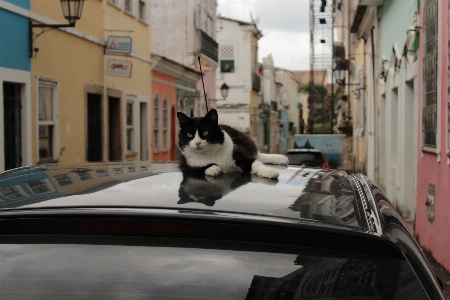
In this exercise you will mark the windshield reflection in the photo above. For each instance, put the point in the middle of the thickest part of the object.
(201, 188)
(328, 197)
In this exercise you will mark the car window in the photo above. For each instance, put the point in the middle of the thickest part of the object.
(189, 269)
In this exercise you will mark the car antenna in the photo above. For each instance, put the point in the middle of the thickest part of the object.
(204, 92)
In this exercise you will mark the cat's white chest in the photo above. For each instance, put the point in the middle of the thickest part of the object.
(219, 154)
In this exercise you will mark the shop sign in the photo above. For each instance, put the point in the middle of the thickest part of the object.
(118, 45)
(119, 68)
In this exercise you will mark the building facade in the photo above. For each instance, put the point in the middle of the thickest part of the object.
(433, 171)
(238, 68)
(184, 32)
(170, 81)
(398, 56)
(92, 107)
(15, 86)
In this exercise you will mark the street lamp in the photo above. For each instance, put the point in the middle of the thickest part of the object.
(72, 12)
(339, 70)
(224, 88)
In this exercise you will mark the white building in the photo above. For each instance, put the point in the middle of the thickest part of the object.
(238, 68)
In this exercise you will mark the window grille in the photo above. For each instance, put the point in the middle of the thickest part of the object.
(156, 123)
(429, 72)
(165, 116)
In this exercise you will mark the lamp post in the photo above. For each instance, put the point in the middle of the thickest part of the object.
(72, 12)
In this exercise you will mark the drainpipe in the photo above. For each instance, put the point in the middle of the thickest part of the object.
(375, 106)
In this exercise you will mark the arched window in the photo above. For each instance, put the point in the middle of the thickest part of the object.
(156, 123)
(165, 123)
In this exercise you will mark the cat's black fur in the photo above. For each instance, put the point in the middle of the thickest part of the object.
(244, 151)
(210, 148)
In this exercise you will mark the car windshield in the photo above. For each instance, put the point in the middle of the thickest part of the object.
(107, 268)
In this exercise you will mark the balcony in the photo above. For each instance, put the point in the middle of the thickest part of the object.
(256, 82)
(208, 46)
(358, 11)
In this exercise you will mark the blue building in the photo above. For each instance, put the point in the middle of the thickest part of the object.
(15, 84)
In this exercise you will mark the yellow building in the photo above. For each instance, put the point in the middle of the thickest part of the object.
(91, 83)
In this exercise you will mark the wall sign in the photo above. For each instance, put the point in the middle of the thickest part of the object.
(118, 45)
(119, 68)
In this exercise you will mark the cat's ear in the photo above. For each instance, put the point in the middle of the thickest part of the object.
(182, 119)
(212, 117)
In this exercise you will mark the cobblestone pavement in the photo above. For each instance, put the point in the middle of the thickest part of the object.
(440, 272)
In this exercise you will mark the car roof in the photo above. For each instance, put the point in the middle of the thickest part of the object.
(312, 195)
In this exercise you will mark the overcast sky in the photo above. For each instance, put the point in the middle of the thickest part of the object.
(284, 24)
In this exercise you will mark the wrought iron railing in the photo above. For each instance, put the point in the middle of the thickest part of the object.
(209, 46)
(256, 82)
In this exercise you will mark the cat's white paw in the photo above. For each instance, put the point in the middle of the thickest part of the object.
(213, 170)
(282, 160)
(268, 173)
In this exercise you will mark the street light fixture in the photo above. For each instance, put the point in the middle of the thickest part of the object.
(224, 88)
(340, 68)
(72, 12)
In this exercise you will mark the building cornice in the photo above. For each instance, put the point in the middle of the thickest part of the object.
(172, 68)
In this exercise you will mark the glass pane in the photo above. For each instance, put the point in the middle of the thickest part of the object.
(165, 114)
(64, 179)
(45, 104)
(164, 271)
(142, 10)
(129, 139)
(227, 66)
(45, 142)
(128, 5)
(39, 186)
(129, 113)
(12, 192)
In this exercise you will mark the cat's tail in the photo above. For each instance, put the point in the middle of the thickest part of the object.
(275, 159)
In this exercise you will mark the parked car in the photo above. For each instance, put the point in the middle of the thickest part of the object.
(307, 157)
(117, 230)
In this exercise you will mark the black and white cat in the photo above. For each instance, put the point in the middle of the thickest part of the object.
(212, 148)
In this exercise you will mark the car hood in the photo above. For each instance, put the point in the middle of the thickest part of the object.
(315, 195)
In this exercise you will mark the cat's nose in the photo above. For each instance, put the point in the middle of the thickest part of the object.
(197, 143)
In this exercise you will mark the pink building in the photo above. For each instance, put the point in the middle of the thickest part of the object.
(432, 228)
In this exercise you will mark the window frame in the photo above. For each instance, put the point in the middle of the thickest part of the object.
(130, 140)
(130, 8)
(427, 108)
(227, 58)
(156, 120)
(142, 10)
(165, 126)
(54, 123)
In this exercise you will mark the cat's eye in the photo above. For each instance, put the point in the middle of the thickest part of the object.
(205, 133)
(189, 134)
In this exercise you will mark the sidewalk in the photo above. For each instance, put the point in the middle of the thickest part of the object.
(438, 270)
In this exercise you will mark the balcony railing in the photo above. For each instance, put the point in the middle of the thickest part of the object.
(208, 46)
(256, 82)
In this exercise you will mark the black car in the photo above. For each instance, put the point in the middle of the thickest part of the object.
(308, 158)
(119, 231)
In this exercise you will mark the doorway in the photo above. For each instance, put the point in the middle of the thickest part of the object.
(115, 145)
(12, 125)
(94, 127)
